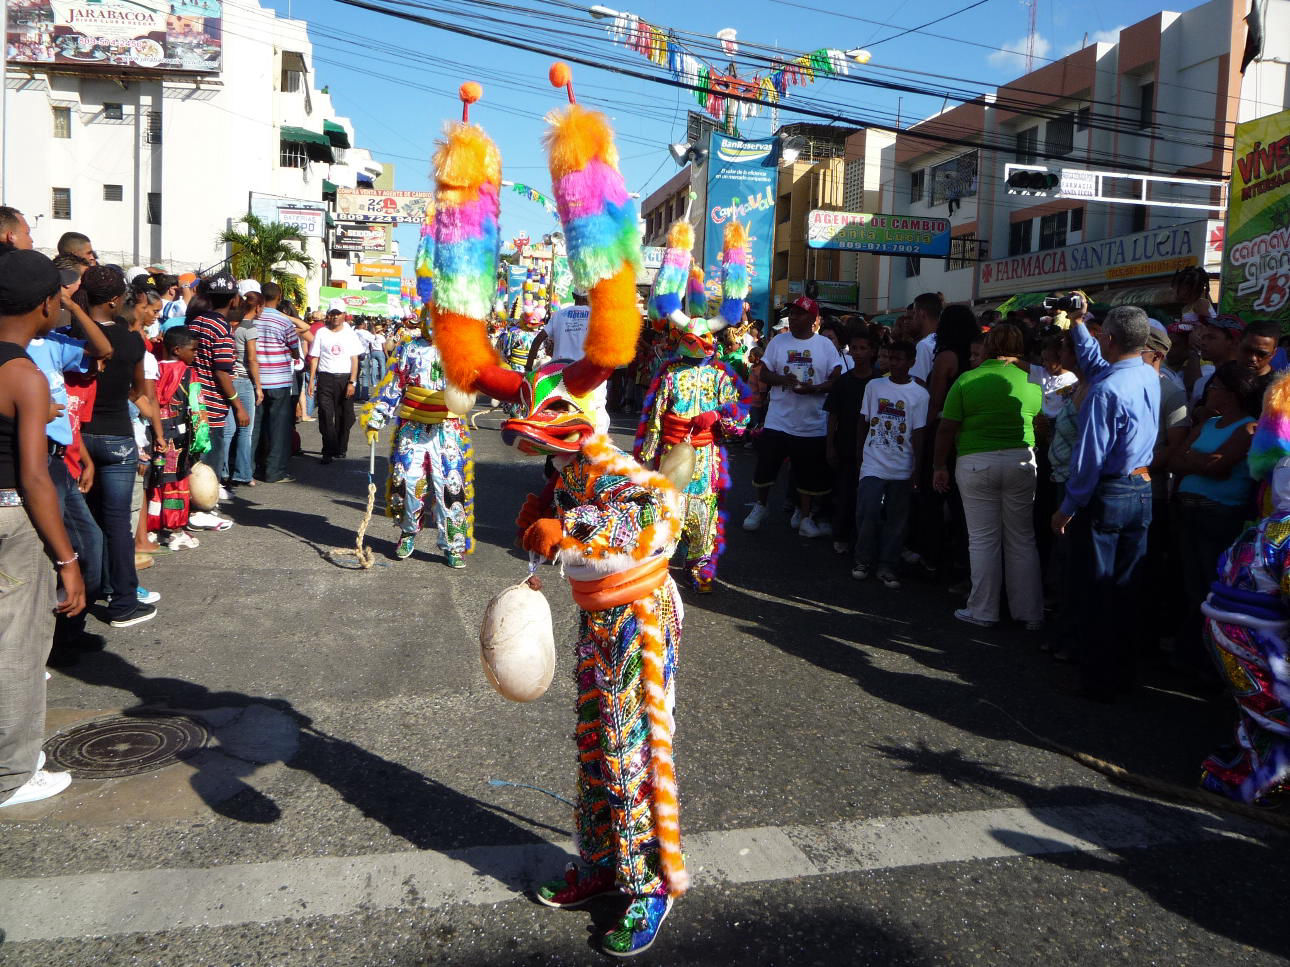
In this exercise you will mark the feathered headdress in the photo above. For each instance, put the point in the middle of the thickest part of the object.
(696, 293)
(673, 274)
(734, 273)
(425, 261)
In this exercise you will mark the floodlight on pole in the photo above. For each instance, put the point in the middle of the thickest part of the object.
(603, 13)
(859, 55)
(684, 153)
(791, 148)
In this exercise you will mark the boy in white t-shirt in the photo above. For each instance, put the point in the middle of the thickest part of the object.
(799, 366)
(893, 416)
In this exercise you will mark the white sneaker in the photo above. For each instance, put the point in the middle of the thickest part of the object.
(40, 786)
(208, 522)
(180, 541)
(755, 517)
(796, 520)
(861, 572)
(826, 527)
(840, 547)
(224, 494)
(810, 528)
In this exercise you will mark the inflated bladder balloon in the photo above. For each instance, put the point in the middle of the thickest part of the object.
(517, 644)
(203, 487)
(677, 465)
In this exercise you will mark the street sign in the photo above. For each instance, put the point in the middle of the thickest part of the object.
(378, 270)
(1078, 184)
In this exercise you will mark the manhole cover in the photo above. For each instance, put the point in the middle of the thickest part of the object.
(125, 745)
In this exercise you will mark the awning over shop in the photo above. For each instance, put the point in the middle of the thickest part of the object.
(338, 136)
(293, 60)
(329, 187)
(317, 147)
(364, 181)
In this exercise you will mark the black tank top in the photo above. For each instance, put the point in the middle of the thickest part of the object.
(9, 426)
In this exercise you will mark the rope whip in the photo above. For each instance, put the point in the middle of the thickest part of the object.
(365, 557)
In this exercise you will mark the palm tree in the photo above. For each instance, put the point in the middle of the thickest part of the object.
(263, 251)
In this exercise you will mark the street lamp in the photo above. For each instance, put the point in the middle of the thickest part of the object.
(603, 13)
(683, 153)
(791, 148)
(859, 55)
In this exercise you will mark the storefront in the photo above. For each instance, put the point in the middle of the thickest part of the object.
(1133, 269)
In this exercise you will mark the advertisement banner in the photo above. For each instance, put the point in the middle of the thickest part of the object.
(1256, 266)
(1158, 252)
(362, 302)
(882, 234)
(310, 217)
(741, 186)
(387, 206)
(359, 238)
(116, 35)
(378, 270)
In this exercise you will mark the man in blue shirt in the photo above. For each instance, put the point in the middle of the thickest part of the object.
(1107, 505)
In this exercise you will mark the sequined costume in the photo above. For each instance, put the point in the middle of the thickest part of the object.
(1247, 628)
(685, 389)
(431, 476)
(514, 343)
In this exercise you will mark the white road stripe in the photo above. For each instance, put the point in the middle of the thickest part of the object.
(146, 901)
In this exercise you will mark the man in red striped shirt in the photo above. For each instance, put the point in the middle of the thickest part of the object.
(213, 368)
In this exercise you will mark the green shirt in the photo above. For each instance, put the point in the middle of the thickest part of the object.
(996, 403)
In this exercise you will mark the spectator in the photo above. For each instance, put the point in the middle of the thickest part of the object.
(926, 314)
(562, 338)
(213, 367)
(1064, 434)
(139, 313)
(988, 418)
(246, 383)
(15, 233)
(843, 406)
(1214, 492)
(1220, 338)
(893, 417)
(31, 531)
(1108, 495)
(307, 406)
(109, 440)
(277, 350)
(185, 436)
(79, 247)
(333, 377)
(800, 367)
(1258, 346)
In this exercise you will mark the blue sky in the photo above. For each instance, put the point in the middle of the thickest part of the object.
(398, 101)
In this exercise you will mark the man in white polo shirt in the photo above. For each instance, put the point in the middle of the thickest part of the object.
(562, 337)
(333, 375)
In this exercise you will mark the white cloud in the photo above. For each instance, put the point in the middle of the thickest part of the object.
(1111, 36)
(1013, 55)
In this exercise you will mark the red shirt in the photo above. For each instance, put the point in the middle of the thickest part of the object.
(81, 392)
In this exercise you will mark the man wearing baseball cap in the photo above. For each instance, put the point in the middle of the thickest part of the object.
(213, 368)
(800, 367)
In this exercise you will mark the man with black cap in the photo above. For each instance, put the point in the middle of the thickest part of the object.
(35, 551)
(213, 367)
(800, 367)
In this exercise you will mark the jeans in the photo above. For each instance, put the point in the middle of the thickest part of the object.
(274, 420)
(221, 439)
(335, 413)
(1205, 530)
(116, 468)
(882, 511)
(87, 541)
(998, 489)
(1108, 545)
(27, 598)
(242, 442)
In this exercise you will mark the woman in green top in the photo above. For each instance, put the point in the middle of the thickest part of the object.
(988, 419)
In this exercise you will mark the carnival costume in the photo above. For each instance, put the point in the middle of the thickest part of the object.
(696, 399)
(612, 526)
(186, 437)
(515, 341)
(1247, 625)
(431, 471)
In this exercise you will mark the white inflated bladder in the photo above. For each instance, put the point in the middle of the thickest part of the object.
(203, 488)
(458, 401)
(517, 644)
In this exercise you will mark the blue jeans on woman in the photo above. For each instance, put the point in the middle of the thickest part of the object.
(116, 464)
(241, 461)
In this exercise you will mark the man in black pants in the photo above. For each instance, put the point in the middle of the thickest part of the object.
(333, 375)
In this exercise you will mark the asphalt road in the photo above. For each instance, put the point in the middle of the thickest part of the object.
(856, 784)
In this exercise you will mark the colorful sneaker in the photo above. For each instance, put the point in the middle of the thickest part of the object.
(574, 891)
(454, 560)
(406, 545)
(701, 584)
(638, 928)
(146, 596)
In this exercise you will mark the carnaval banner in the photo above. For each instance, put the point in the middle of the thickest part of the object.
(741, 187)
(1256, 262)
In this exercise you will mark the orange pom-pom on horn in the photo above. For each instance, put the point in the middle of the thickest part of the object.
(469, 92)
(561, 75)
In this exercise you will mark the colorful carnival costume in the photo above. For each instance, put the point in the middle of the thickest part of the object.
(432, 472)
(696, 399)
(612, 526)
(183, 427)
(515, 341)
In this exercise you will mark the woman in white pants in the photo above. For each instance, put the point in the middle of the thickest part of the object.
(988, 419)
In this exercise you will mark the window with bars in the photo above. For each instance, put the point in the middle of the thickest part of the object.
(1027, 145)
(1052, 230)
(293, 155)
(62, 122)
(153, 133)
(61, 203)
(113, 193)
(1019, 237)
(291, 80)
(154, 208)
(954, 179)
(917, 184)
(963, 252)
(114, 112)
(1059, 136)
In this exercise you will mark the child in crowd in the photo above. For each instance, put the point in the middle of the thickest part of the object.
(894, 412)
(1056, 381)
(843, 406)
(186, 435)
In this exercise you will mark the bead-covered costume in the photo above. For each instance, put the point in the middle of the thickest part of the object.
(431, 478)
(182, 413)
(611, 524)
